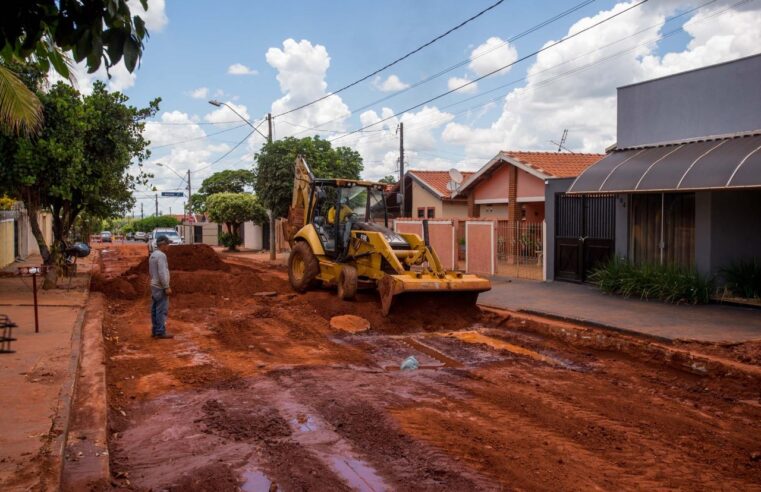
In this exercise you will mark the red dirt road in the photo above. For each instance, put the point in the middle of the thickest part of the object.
(258, 392)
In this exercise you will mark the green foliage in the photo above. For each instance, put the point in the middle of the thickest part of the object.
(229, 240)
(233, 209)
(743, 277)
(44, 32)
(80, 161)
(6, 203)
(667, 283)
(227, 181)
(275, 163)
(150, 223)
(388, 179)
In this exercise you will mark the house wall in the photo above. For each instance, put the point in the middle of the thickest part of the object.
(252, 236)
(552, 188)
(453, 210)
(692, 104)
(424, 198)
(495, 187)
(6, 242)
(28, 244)
(493, 211)
(734, 236)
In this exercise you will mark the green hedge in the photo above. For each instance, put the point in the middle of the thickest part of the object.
(743, 278)
(667, 283)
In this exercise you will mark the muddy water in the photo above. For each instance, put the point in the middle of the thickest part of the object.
(258, 393)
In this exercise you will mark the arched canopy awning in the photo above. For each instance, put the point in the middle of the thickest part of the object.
(724, 163)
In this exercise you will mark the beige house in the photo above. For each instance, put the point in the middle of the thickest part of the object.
(16, 238)
(427, 196)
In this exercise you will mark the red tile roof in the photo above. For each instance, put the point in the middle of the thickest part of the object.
(437, 180)
(554, 164)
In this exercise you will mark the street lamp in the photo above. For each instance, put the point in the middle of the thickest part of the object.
(190, 195)
(219, 104)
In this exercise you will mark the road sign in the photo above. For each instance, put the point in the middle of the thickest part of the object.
(172, 193)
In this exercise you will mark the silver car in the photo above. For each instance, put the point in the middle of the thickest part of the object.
(174, 237)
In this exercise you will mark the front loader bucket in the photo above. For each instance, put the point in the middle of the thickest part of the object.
(452, 286)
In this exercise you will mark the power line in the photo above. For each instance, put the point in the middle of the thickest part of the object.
(401, 58)
(171, 123)
(228, 152)
(439, 96)
(197, 138)
(459, 64)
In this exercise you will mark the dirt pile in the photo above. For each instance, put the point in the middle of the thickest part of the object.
(117, 287)
(187, 258)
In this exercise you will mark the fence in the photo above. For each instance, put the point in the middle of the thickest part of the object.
(486, 247)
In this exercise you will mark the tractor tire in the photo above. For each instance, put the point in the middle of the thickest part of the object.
(303, 267)
(347, 283)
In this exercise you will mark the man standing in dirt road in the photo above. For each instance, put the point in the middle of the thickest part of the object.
(160, 290)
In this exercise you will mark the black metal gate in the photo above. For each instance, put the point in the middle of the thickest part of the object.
(585, 228)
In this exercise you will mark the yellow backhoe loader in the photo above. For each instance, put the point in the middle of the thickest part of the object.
(339, 236)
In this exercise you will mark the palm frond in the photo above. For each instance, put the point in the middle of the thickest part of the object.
(20, 109)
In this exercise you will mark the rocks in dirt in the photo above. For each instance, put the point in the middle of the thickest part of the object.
(755, 456)
(265, 294)
(349, 323)
(410, 364)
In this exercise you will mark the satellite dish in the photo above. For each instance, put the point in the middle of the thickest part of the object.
(455, 175)
(452, 186)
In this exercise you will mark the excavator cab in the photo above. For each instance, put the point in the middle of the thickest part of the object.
(339, 236)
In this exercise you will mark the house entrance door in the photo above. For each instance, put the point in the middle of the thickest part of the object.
(585, 227)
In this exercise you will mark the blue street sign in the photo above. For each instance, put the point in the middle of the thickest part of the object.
(172, 193)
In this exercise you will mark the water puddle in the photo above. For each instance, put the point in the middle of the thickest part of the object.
(358, 474)
(255, 481)
(476, 337)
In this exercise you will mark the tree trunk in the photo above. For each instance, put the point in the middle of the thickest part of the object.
(32, 204)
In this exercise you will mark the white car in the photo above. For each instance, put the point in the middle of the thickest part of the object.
(174, 237)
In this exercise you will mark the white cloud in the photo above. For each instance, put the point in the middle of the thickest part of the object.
(240, 69)
(120, 80)
(583, 99)
(491, 55)
(455, 82)
(391, 84)
(200, 93)
(155, 18)
(301, 69)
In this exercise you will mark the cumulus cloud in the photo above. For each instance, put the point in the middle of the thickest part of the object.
(573, 85)
(301, 68)
(155, 17)
(491, 55)
(455, 82)
(240, 69)
(120, 79)
(391, 84)
(200, 93)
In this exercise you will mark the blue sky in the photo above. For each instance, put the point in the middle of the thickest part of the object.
(296, 51)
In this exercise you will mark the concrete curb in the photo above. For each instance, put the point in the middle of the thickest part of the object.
(641, 346)
(86, 460)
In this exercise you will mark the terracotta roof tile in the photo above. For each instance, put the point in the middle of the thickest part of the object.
(555, 164)
(437, 179)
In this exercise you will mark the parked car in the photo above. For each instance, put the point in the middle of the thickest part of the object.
(141, 236)
(130, 236)
(106, 237)
(174, 237)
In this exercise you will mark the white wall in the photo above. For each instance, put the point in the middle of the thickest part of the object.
(252, 236)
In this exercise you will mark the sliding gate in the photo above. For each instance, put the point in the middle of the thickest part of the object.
(585, 227)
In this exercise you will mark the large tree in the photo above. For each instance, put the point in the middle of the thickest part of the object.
(45, 32)
(275, 161)
(233, 209)
(80, 162)
(227, 181)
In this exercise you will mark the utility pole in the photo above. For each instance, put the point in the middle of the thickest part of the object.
(157, 204)
(272, 212)
(142, 215)
(401, 168)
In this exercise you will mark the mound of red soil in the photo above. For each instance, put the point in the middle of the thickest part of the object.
(113, 287)
(188, 258)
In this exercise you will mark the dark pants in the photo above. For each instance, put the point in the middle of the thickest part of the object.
(159, 311)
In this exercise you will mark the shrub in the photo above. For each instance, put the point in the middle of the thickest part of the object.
(667, 283)
(743, 277)
(230, 241)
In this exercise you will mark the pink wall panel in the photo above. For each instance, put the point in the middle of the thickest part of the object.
(442, 237)
(479, 244)
(410, 227)
(529, 185)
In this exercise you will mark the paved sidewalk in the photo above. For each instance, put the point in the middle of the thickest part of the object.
(38, 378)
(710, 323)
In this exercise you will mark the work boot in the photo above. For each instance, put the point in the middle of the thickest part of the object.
(164, 335)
